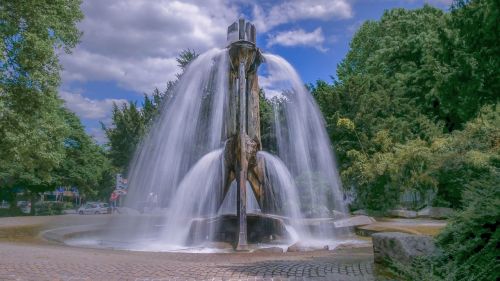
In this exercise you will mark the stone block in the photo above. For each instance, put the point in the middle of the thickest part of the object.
(403, 214)
(435, 213)
(299, 247)
(360, 212)
(401, 247)
(354, 221)
(338, 215)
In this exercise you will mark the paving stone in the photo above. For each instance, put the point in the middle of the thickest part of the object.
(38, 261)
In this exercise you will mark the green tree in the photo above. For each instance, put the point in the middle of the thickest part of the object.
(129, 125)
(467, 155)
(395, 114)
(32, 128)
(31, 147)
(267, 123)
(30, 31)
(415, 109)
(471, 57)
(382, 100)
(185, 57)
(85, 164)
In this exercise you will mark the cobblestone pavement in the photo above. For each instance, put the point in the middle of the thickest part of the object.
(23, 257)
(41, 261)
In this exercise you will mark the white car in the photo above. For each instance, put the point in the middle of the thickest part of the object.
(94, 208)
(4, 204)
(25, 206)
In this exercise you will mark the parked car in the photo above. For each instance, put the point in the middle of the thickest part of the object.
(4, 204)
(94, 208)
(25, 206)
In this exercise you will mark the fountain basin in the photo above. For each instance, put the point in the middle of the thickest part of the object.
(115, 232)
(261, 228)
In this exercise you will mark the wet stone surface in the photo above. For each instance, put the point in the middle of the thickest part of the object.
(285, 270)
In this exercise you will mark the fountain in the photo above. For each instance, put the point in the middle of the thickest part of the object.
(202, 175)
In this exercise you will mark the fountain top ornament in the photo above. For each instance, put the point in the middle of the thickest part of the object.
(241, 30)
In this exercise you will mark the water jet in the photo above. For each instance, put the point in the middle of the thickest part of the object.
(204, 161)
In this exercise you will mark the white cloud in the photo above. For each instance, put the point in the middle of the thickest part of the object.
(274, 84)
(89, 108)
(133, 73)
(299, 37)
(266, 83)
(135, 42)
(266, 18)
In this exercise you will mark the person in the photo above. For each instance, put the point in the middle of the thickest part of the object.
(114, 201)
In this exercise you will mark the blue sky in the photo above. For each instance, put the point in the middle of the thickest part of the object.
(129, 46)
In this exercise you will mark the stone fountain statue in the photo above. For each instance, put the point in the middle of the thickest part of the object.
(243, 122)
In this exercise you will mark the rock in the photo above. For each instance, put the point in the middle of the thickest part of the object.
(298, 247)
(354, 221)
(401, 247)
(347, 245)
(435, 212)
(322, 212)
(403, 214)
(338, 215)
(269, 250)
(360, 213)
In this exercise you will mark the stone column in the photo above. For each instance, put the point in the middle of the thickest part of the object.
(243, 123)
(243, 163)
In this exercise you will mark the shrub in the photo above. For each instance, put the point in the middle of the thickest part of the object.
(48, 208)
(470, 242)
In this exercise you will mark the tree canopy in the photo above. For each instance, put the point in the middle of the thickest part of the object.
(130, 123)
(42, 145)
(394, 116)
